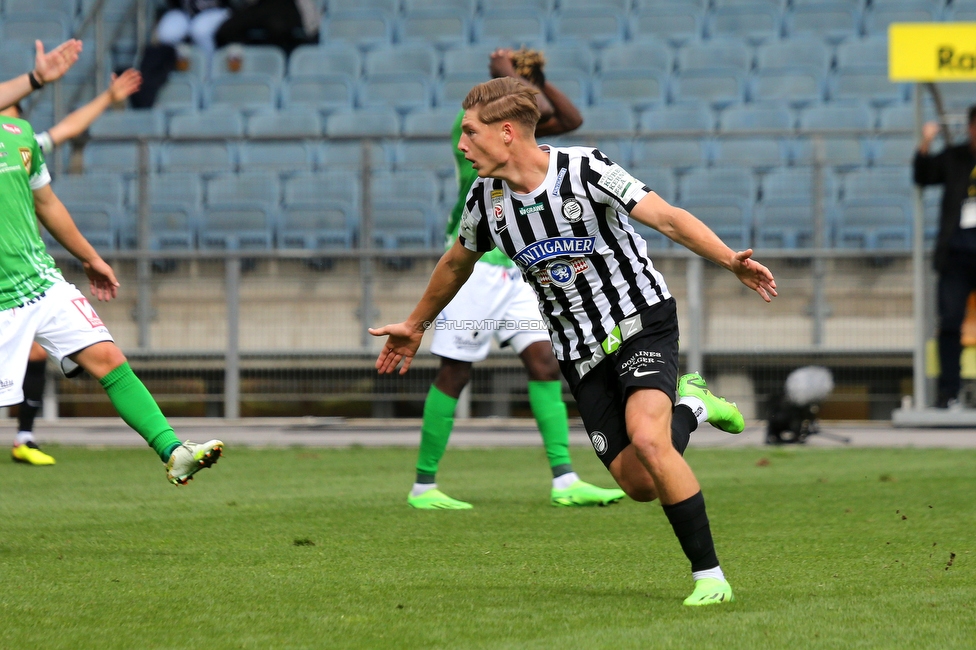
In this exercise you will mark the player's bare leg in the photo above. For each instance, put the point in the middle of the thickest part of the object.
(139, 410)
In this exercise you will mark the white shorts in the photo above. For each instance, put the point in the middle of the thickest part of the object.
(62, 321)
(494, 302)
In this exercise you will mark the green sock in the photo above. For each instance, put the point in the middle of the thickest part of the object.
(546, 400)
(139, 410)
(438, 422)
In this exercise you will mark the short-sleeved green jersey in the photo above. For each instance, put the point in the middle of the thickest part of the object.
(466, 176)
(26, 270)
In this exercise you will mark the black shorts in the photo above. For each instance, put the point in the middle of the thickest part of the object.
(649, 359)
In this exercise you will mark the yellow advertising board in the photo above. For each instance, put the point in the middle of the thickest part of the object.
(932, 52)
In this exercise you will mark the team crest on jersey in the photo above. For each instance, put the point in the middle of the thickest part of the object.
(12, 128)
(27, 156)
(498, 209)
(561, 273)
(572, 210)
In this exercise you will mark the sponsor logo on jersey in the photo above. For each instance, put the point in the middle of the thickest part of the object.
(26, 155)
(561, 273)
(559, 182)
(554, 247)
(83, 306)
(531, 209)
(599, 441)
(12, 128)
(572, 210)
(619, 183)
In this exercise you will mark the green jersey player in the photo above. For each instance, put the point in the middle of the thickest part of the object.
(497, 304)
(36, 304)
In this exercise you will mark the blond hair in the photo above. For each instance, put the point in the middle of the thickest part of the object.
(504, 99)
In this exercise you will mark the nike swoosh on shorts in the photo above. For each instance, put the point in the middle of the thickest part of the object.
(638, 373)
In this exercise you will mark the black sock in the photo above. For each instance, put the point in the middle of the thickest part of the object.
(425, 479)
(683, 422)
(559, 470)
(33, 394)
(690, 524)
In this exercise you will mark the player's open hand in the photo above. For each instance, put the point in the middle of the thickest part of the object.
(124, 85)
(401, 345)
(754, 275)
(52, 65)
(104, 286)
(500, 64)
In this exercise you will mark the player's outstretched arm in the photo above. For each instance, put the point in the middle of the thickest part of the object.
(683, 228)
(54, 216)
(403, 339)
(48, 67)
(76, 122)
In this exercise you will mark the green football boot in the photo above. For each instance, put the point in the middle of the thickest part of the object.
(721, 414)
(436, 500)
(582, 493)
(710, 591)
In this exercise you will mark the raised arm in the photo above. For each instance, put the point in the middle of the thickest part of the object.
(683, 228)
(48, 67)
(55, 218)
(76, 122)
(450, 274)
(929, 169)
(565, 116)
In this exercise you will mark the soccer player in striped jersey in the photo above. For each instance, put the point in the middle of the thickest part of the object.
(563, 216)
(496, 303)
(25, 449)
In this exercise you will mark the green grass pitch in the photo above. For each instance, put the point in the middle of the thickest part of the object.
(304, 548)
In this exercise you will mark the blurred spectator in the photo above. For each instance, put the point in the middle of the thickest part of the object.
(955, 249)
(285, 23)
(196, 19)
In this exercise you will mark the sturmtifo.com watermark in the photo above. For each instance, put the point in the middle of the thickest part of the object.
(487, 324)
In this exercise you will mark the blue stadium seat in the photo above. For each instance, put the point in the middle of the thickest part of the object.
(836, 117)
(573, 84)
(366, 29)
(169, 189)
(637, 89)
(414, 58)
(609, 118)
(516, 26)
(218, 122)
(619, 150)
(320, 92)
(678, 153)
(568, 57)
(467, 61)
(130, 123)
(381, 6)
(15, 57)
(443, 28)
(40, 115)
(659, 179)
(842, 153)
(66, 7)
(537, 6)
(733, 182)
(868, 84)
(98, 222)
(961, 11)
(881, 14)
(622, 6)
(402, 224)
(180, 93)
(898, 117)
(880, 223)
(638, 56)
(412, 185)
(759, 153)
(294, 123)
(729, 218)
(868, 184)
(403, 91)
(796, 184)
(800, 51)
(246, 92)
(692, 116)
(191, 62)
(797, 86)
(118, 157)
(243, 187)
(254, 59)
(755, 22)
(720, 88)
(236, 226)
(597, 26)
(172, 226)
(327, 59)
(789, 223)
(675, 22)
(278, 156)
(863, 53)
(958, 96)
(199, 157)
(437, 122)
(363, 123)
(832, 20)
(25, 27)
(341, 187)
(756, 118)
(718, 54)
(348, 154)
(98, 188)
(894, 150)
(426, 154)
(455, 87)
(317, 227)
(465, 6)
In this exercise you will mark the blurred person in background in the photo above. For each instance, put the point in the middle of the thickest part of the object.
(283, 23)
(955, 250)
(197, 20)
(25, 448)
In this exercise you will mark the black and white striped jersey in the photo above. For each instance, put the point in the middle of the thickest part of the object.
(574, 244)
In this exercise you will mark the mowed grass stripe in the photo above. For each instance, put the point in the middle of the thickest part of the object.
(303, 548)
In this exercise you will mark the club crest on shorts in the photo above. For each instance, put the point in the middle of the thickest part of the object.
(572, 210)
(600, 443)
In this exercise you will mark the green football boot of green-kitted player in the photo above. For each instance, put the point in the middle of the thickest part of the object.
(436, 500)
(721, 414)
(582, 493)
(710, 591)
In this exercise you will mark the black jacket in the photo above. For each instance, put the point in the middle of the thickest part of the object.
(950, 168)
(193, 7)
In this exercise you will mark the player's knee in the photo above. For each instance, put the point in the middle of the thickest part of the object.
(653, 449)
(453, 377)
